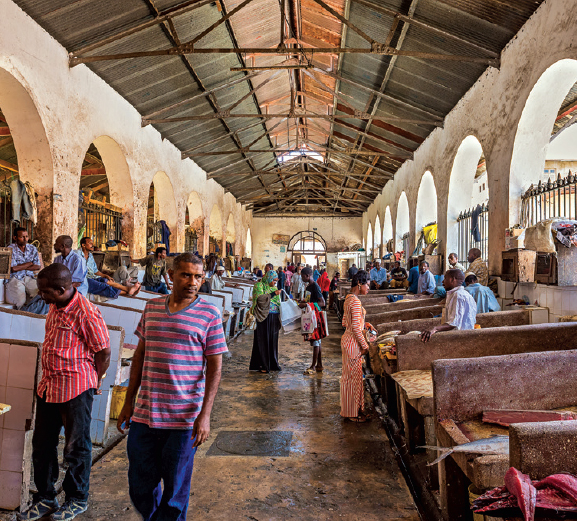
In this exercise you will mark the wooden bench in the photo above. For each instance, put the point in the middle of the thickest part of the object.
(465, 388)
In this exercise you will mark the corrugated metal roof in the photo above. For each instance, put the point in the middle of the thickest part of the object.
(414, 88)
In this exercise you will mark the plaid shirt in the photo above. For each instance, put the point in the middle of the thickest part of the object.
(30, 254)
(73, 335)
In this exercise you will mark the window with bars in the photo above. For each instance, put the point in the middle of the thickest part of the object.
(466, 237)
(99, 223)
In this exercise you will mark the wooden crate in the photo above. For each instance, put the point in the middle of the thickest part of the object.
(519, 266)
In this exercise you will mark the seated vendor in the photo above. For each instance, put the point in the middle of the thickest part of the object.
(217, 282)
(398, 276)
(427, 282)
(453, 261)
(413, 279)
(461, 308)
(378, 277)
(25, 262)
(483, 296)
(155, 268)
(100, 283)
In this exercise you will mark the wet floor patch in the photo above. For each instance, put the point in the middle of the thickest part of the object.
(251, 444)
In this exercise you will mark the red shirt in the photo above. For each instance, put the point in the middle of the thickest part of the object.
(73, 335)
(324, 282)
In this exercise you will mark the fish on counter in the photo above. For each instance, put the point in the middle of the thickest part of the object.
(496, 445)
(507, 417)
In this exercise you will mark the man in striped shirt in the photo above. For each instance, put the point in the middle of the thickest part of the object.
(75, 356)
(177, 366)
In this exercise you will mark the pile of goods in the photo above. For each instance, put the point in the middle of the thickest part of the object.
(386, 343)
(555, 496)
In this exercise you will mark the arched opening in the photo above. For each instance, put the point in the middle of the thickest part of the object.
(106, 204)
(426, 210)
(26, 156)
(162, 214)
(402, 227)
(308, 247)
(195, 228)
(249, 245)
(230, 236)
(215, 231)
(388, 232)
(468, 191)
(369, 242)
(551, 102)
(377, 239)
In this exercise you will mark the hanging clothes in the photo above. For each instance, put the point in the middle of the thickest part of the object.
(475, 223)
(165, 234)
(21, 205)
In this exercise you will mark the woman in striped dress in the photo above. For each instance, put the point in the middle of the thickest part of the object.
(353, 348)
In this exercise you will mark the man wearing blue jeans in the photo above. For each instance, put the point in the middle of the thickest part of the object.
(181, 339)
(100, 283)
(155, 268)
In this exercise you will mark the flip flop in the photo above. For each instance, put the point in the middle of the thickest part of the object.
(309, 371)
(359, 419)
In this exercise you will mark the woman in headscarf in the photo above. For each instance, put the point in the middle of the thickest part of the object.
(265, 308)
(353, 347)
(324, 283)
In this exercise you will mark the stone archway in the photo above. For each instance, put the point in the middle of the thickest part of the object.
(387, 226)
(426, 210)
(34, 158)
(535, 129)
(216, 231)
(377, 239)
(165, 205)
(230, 235)
(196, 221)
(249, 244)
(402, 223)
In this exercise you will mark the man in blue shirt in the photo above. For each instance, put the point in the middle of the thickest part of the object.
(413, 279)
(427, 282)
(483, 296)
(71, 260)
(378, 277)
(25, 260)
(98, 282)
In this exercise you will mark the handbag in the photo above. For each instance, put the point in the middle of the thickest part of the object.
(308, 320)
(321, 331)
(289, 311)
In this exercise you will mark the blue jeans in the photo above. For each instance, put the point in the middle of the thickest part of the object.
(20, 200)
(161, 288)
(99, 286)
(156, 454)
(75, 415)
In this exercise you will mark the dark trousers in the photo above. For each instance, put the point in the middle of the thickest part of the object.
(161, 288)
(99, 286)
(75, 416)
(374, 286)
(160, 454)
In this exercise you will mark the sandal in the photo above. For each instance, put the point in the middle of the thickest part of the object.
(309, 371)
(359, 419)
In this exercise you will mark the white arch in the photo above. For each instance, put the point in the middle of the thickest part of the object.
(387, 226)
(401, 222)
(230, 232)
(167, 204)
(460, 189)
(197, 219)
(249, 244)
(535, 128)
(426, 210)
(377, 236)
(216, 224)
(369, 242)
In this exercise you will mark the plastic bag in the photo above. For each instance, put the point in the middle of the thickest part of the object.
(308, 320)
(430, 233)
(289, 311)
(539, 237)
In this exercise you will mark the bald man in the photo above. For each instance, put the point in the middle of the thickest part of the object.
(75, 357)
(73, 261)
(477, 266)
(461, 308)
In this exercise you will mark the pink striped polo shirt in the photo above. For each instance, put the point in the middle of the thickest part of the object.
(176, 346)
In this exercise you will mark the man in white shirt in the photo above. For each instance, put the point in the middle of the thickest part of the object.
(426, 284)
(217, 282)
(453, 261)
(461, 308)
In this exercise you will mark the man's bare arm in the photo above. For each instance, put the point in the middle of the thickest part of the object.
(133, 386)
(202, 426)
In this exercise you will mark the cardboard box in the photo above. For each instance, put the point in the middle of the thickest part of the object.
(514, 243)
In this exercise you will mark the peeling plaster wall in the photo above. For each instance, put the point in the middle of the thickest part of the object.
(490, 111)
(75, 107)
(338, 233)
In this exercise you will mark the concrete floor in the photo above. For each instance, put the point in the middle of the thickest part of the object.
(335, 470)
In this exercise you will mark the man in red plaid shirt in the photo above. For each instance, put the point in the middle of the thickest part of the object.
(75, 356)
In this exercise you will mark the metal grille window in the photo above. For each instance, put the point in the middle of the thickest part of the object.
(466, 239)
(7, 226)
(191, 240)
(154, 234)
(99, 223)
(548, 200)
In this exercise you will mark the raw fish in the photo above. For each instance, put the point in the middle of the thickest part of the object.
(520, 485)
(497, 445)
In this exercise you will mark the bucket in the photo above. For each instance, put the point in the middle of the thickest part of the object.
(117, 402)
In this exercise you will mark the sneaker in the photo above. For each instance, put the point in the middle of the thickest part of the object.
(70, 510)
(39, 510)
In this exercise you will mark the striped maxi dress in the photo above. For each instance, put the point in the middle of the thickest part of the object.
(352, 341)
